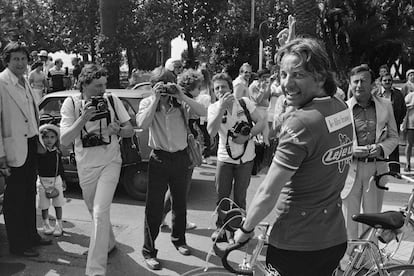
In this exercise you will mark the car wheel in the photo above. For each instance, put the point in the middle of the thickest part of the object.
(134, 181)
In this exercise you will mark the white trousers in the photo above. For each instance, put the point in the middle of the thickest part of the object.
(98, 187)
(362, 195)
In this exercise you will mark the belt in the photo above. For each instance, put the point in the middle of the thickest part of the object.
(369, 159)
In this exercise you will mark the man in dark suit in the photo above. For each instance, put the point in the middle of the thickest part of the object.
(19, 140)
(386, 90)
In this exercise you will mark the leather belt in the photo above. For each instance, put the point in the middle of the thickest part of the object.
(369, 159)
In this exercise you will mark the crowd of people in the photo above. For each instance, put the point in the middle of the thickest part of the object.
(294, 101)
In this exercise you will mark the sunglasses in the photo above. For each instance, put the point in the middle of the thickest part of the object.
(99, 74)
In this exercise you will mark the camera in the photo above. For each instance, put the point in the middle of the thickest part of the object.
(168, 89)
(240, 128)
(93, 140)
(101, 107)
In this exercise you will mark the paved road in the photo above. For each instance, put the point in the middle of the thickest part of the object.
(65, 256)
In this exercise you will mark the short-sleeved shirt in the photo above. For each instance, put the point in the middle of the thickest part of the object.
(236, 115)
(316, 142)
(99, 155)
(37, 79)
(167, 131)
(57, 78)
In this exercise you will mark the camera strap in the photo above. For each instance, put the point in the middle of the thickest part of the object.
(249, 119)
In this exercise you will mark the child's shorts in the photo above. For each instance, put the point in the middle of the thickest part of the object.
(43, 201)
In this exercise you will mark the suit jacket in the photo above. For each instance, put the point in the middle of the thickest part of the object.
(398, 105)
(14, 122)
(386, 135)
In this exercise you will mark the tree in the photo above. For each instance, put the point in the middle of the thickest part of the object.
(307, 13)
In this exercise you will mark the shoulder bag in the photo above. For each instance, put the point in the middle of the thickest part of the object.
(194, 148)
(129, 146)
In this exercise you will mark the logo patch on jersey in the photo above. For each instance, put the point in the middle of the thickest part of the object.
(338, 120)
(342, 154)
(293, 135)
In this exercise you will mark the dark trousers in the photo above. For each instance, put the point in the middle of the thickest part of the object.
(395, 156)
(312, 263)
(165, 170)
(20, 203)
(167, 202)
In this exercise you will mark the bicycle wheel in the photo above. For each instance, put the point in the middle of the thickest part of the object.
(397, 270)
(212, 271)
(401, 251)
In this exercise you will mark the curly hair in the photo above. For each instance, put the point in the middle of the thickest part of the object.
(89, 73)
(190, 80)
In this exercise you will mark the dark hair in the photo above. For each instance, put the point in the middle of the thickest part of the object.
(314, 59)
(89, 73)
(262, 72)
(223, 77)
(362, 68)
(189, 80)
(386, 75)
(15, 47)
(59, 60)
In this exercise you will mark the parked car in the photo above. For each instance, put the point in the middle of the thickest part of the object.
(133, 180)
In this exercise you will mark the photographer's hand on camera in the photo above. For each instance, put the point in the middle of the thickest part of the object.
(88, 112)
(226, 102)
(114, 128)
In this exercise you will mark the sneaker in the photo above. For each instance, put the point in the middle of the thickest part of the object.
(164, 225)
(190, 226)
(58, 231)
(153, 263)
(47, 229)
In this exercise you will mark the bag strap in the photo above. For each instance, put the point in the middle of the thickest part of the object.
(249, 119)
(246, 111)
(185, 119)
(112, 103)
(56, 172)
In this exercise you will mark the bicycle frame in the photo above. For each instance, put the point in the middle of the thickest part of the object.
(362, 249)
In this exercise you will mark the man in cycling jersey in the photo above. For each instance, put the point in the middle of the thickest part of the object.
(308, 171)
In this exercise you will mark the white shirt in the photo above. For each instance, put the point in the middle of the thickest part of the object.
(93, 156)
(236, 115)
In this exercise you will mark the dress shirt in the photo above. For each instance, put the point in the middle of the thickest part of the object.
(365, 123)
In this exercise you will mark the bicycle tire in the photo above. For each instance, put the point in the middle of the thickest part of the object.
(211, 271)
(405, 252)
(397, 270)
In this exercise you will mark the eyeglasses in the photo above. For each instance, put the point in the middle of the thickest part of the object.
(387, 80)
(99, 74)
(247, 72)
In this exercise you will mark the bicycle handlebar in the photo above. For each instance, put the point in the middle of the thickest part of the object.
(377, 178)
(224, 254)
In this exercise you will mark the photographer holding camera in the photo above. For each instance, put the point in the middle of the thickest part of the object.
(88, 120)
(168, 164)
(236, 148)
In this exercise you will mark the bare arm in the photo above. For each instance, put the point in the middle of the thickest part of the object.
(265, 198)
(214, 120)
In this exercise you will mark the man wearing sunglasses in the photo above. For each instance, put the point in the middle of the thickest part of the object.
(386, 90)
(89, 121)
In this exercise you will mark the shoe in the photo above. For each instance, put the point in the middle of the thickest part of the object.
(190, 226)
(218, 236)
(42, 242)
(407, 168)
(153, 263)
(47, 229)
(183, 249)
(164, 225)
(30, 252)
(58, 231)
